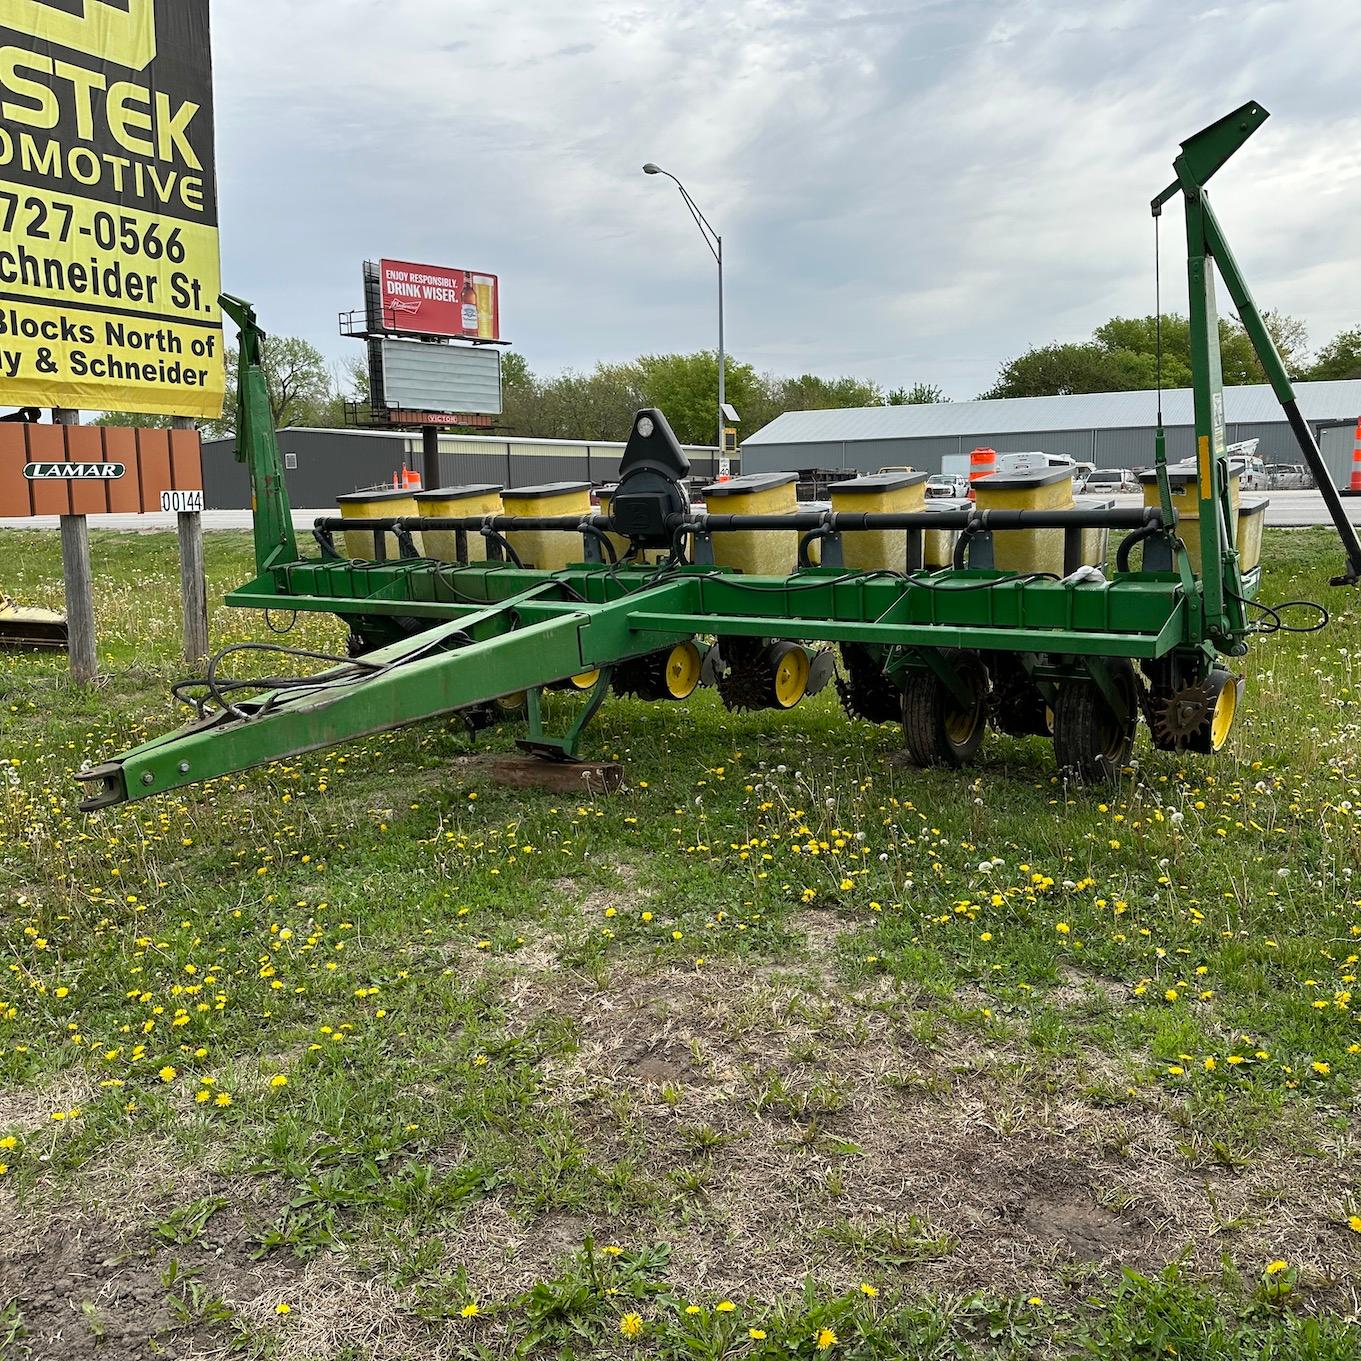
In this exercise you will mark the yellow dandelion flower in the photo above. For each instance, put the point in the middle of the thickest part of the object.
(283, 1308)
(726, 1306)
(168, 1074)
(631, 1325)
(692, 1308)
(469, 1311)
(1275, 1268)
(279, 1080)
(1062, 928)
(756, 1334)
(826, 1340)
(1354, 1223)
(868, 1290)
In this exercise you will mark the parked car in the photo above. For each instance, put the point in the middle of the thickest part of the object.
(952, 485)
(1288, 477)
(1111, 480)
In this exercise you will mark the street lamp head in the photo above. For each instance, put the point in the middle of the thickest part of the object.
(650, 169)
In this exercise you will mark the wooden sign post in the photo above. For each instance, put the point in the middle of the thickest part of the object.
(193, 574)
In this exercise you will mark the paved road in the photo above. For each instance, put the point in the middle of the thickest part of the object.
(1288, 509)
(148, 524)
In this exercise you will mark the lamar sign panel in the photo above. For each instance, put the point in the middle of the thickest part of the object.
(109, 269)
(429, 300)
(93, 470)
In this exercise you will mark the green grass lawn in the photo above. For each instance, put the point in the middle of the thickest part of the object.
(785, 1050)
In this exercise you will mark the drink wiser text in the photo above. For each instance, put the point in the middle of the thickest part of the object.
(44, 94)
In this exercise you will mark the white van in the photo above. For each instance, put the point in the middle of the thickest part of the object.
(1032, 462)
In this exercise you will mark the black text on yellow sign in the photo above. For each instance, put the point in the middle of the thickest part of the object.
(109, 266)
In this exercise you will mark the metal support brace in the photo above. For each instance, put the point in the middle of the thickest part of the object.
(1099, 670)
(564, 748)
(940, 664)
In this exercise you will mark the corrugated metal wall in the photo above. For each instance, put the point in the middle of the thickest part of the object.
(1131, 448)
(321, 465)
(317, 468)
(1338, 443)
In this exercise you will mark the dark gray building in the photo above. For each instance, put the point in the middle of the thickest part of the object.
(1110, 429)
(320, 465)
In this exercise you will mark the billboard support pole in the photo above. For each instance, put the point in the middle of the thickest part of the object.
(430, 478)
(193, 575)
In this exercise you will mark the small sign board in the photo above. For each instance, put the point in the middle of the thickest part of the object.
(95, 470)
(182, 502)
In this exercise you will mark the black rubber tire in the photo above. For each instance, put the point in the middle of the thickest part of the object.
(936, 730)
(1091, 744)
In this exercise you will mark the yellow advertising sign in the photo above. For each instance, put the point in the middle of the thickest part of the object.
(109, 265)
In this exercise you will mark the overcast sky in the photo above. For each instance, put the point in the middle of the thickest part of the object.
(907, 191)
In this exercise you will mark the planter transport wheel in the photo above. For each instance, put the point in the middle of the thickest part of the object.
(938, 729)
(1091, 741)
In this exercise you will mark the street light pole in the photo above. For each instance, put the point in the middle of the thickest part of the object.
(715, 243)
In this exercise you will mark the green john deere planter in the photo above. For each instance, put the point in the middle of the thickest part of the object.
(1074, 655)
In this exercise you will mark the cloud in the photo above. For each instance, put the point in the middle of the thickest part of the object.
(911, 190)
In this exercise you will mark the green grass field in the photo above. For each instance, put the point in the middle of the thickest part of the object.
(786, 1050)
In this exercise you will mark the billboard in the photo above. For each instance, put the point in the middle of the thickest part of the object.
(415, 375)
(428, 300)
(93, 470)
(109, 267)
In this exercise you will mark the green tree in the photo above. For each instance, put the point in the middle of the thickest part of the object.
(1122, 356)
(301, 389)
(1061, 370)
(1339, 358)
(919, 394)
(138, 420)
(808, 392)
(685, 388)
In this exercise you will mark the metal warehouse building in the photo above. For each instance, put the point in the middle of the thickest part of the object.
(320, 465)
(1110, 429)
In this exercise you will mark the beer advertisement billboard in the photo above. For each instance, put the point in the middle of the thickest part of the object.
(429, 300)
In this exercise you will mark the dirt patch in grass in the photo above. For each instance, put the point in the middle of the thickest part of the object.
(82, 1288)
(791, 1129)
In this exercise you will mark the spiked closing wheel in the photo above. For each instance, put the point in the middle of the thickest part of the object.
(751, 674)
(865, 691)
(673, 673)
